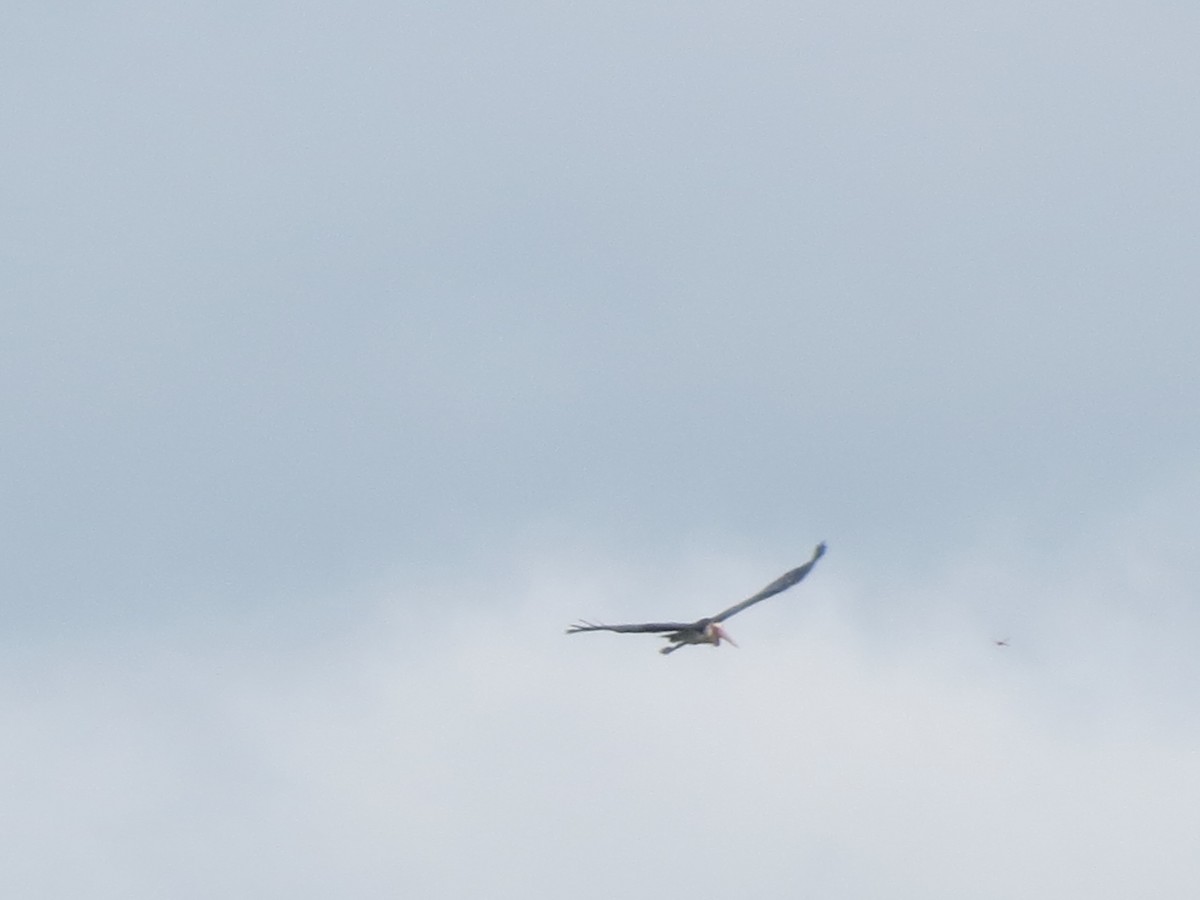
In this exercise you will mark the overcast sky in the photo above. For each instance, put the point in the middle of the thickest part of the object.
(350, 351)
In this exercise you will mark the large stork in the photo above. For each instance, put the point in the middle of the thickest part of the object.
(708, 630)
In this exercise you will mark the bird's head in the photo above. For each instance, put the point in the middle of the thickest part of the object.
(718, 634)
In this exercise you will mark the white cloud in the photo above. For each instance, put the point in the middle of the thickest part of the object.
(481, 752)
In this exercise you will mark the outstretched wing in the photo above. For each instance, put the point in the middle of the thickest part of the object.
(782, 583)
(624, 629)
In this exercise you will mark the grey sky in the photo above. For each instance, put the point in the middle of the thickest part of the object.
(350, 351)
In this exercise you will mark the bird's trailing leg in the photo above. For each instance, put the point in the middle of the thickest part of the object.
(712, 633)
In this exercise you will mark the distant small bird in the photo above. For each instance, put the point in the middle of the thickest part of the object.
(709, 630)
(1001, 642)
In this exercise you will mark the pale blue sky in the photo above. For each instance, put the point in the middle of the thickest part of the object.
(350, 351)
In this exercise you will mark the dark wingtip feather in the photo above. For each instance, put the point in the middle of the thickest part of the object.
(584, 625)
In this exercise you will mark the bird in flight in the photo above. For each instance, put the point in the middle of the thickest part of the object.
(707, 630)
(1000, 642)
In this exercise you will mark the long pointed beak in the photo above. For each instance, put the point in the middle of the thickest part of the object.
(723, 635)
